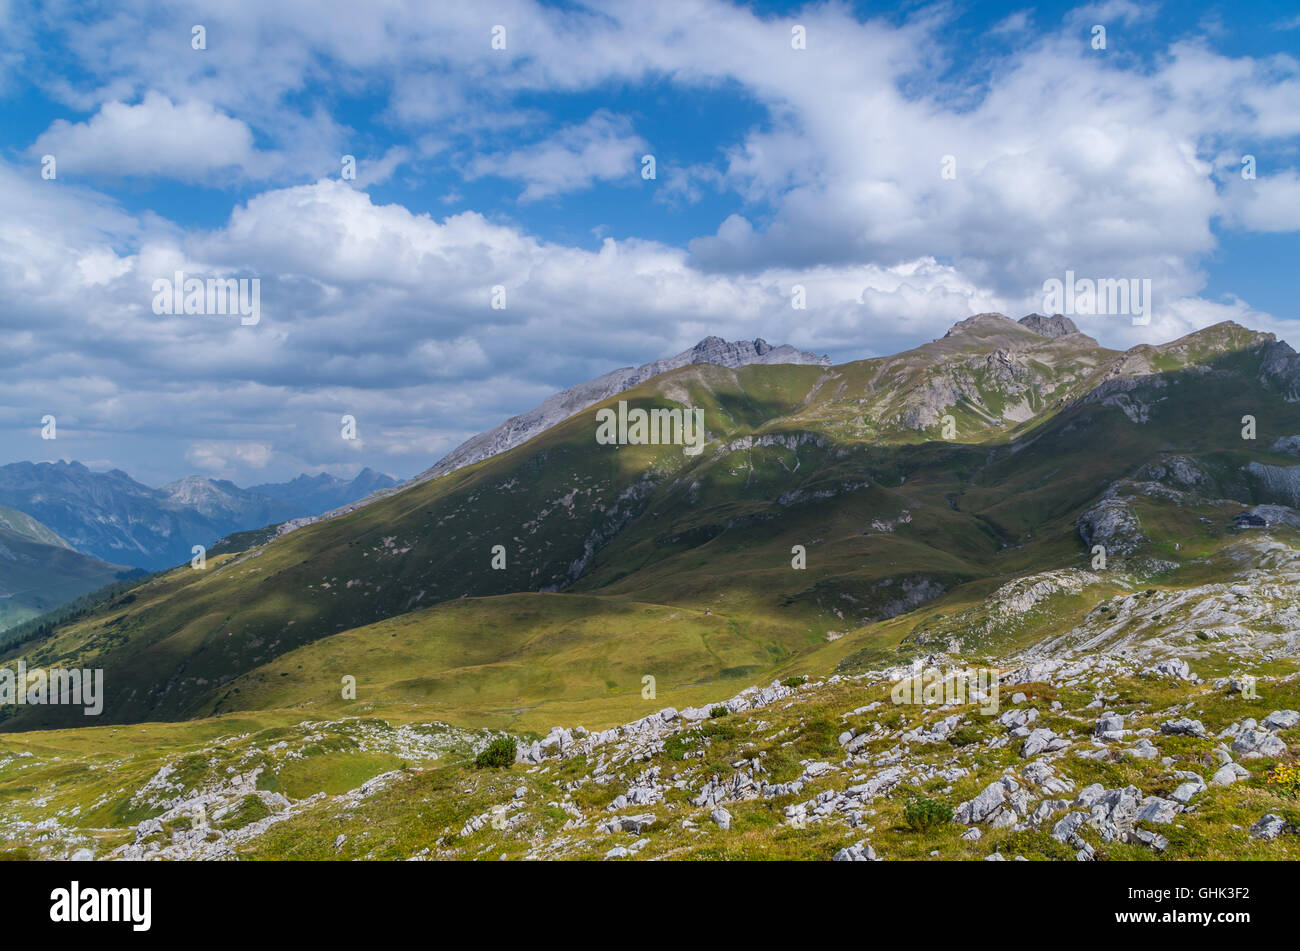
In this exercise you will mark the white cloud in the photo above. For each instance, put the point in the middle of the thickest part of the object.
(380, 170)
(1111, 11)
(603, 148)
(154, 137)
(1016, 22)
(371, 310)
(227, 457)
(1067, 161)
(1268, 204)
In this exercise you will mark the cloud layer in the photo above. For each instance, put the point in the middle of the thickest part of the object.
(902, 189)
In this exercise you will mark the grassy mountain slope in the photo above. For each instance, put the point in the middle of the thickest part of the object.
(22, 524)
(838, 460)
(39, 570)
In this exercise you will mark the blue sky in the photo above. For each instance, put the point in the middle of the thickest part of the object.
(521, 167)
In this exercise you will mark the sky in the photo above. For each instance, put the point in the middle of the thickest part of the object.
(907, 165)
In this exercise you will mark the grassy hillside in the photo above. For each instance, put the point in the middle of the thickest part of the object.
(685, 562)
(827, 535)
(39, 571)
(521, 660)
(23, 525)
(389, 784)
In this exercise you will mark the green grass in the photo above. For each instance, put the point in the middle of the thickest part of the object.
(88, 775)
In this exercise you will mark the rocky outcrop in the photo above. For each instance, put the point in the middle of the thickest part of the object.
(1280, 368)
(1178, 472)
(1279, 484)
(1114, 524)
(1057, 325)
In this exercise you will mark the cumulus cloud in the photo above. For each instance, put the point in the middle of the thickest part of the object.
(155, 137)
(1067, 162)
(1267, 204)
(371, 310)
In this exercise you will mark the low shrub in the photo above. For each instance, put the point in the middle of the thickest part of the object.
(499, 753)
(965, 736)
(923, 814)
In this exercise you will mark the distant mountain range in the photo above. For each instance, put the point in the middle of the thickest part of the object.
(320, 493)
(116, 519)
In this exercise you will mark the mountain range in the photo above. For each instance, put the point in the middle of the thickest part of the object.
(112, 517)
(1000, 448)
(519, 429)
(1114, 536)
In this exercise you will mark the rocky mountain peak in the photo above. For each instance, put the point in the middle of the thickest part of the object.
(731, 354)
(1058, 325)
(519, 429)
(981, 323)
(1225, 335)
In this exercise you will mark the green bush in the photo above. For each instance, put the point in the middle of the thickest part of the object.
(793, 682)
(965, 736)
(922, 814)
(718, 712)
(500, 753)
(250, 809)
(722, 732)
(819, 738)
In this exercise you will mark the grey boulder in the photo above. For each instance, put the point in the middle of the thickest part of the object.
(860, 852)
(1183, 726)
(1269, 826)
(1281, 720)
